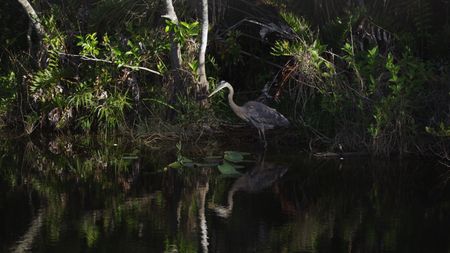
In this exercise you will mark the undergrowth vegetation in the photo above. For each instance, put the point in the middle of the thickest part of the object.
(370, 96)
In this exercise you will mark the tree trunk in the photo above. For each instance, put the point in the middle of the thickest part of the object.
(41, 54)
(203, 84)
(34, 18)
(175, 53)
(175, 59)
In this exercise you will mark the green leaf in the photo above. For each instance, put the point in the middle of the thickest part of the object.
(106, 39)
(228, 169)
(175, 165)
(185, 24)
(373, 52)
(116, 51)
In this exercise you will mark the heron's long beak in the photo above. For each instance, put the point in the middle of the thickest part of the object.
(216, 90)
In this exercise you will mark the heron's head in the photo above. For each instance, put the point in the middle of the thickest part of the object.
(222, 84)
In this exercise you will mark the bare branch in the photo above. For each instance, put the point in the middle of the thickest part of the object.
(85, 58)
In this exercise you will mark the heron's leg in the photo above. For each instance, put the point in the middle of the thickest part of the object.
(264, 138)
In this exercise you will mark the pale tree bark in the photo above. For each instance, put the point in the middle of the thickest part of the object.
(175, 56)
(34, 18)
(41, 53)
(175, 59)
(203, 84)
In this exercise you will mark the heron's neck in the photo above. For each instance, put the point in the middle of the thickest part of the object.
(233, 105)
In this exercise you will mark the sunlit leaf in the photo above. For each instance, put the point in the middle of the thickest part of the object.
(175, 165)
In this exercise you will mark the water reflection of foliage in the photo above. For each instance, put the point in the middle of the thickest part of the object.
(365, 208)
(60, 164)
(58, 175)
(93, 186)
(357, 206)
(185, 192)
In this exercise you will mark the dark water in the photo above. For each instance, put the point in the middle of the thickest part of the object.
(62, 197)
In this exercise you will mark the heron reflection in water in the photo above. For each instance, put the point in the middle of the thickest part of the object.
(257, 114)
(262, 176)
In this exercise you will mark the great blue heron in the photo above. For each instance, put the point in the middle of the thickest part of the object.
(260, 177)
(255, 113)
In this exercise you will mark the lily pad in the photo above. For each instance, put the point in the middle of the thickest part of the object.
(183, 159)
(186, 162)
(130, 157)
(228, 169)
(234, 156)
(182, 162)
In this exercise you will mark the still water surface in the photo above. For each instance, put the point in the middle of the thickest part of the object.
(85, 197)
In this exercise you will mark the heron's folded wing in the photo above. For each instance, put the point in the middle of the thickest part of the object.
(261, 114)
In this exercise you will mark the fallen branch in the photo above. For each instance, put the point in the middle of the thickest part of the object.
(86, 58)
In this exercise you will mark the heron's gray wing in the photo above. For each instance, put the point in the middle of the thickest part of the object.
(263, 116)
